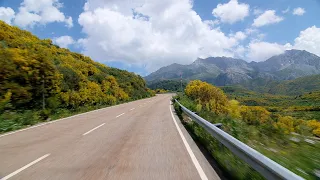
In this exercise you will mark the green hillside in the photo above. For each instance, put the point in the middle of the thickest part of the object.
(36, 74)
(169, 85)
(297, 86)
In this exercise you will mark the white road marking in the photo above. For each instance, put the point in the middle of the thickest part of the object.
(54, 121)
(193, 157)
(120, 115)
(132, 109)
(93, 129)
(25, 129)
(24, 167)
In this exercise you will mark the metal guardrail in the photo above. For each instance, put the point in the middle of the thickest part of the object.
(265, 166)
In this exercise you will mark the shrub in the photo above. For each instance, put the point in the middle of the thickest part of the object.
(207, 95)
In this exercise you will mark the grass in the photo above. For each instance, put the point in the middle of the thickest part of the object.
(290, 151)
(305, 106)
(17, 119)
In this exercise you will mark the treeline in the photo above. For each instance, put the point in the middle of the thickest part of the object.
(36, 74)
(169, 85)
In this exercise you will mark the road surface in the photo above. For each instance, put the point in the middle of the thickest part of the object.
(137, 140)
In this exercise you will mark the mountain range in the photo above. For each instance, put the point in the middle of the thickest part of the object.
(223, 71)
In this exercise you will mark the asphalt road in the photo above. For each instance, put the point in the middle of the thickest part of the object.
(137, 140)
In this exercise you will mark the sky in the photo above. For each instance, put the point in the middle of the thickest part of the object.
(143, 35)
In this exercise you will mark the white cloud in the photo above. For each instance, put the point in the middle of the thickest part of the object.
(231, 12)
(68, 21)
(64, 41)
(298, 11)
(261, 36)
(32, 12)
(240, 52)
(261, 51)
(212, 23)
(171, 31)
(239, 35)
(257, 11)
(6, 14)
(250, 31)
(286, 10)
(309, 40)
(24, 18)
(268, 17)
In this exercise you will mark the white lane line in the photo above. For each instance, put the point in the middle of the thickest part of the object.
(93, 129)
(120, 115)
(132, 109)
(193, 157)
(24, 167)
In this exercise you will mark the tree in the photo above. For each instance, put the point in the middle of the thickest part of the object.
(208, 96)
(254, 115)
(285, 124)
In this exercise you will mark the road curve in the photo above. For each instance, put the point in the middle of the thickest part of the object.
(137, 140)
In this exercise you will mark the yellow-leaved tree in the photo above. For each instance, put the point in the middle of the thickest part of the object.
(254, 114)
(285, 124)
(234, 109)
(207, 96)
(315, 126)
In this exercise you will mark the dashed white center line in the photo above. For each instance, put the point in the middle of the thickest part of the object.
(24, 167)
(132, 109)
(93, 129)
(120, 115)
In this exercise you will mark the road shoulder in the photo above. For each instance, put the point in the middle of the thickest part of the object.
(205, 165)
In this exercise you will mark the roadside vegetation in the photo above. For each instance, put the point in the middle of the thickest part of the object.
(291, 141)
(40, 81)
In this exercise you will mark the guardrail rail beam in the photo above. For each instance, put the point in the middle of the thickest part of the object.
(265, 166)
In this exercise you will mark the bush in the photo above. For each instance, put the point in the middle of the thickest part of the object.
(208, 96)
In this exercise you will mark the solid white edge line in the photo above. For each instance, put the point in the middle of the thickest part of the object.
(193, 157)
(132, 109)
(93, 129)
(120, 115)
(57, 120)
(24, 129)
(24, 167)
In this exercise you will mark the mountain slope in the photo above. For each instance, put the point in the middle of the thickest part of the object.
(203, 69)
(297, 86)
(223, 71)
(36, 72)
(290, 65)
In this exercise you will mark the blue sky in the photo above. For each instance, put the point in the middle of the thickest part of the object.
(142, 36)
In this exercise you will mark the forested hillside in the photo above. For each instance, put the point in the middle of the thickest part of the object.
(35, 75)
(169, 85)
(297, 86)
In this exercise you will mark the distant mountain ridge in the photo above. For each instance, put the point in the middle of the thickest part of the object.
(223, 71)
